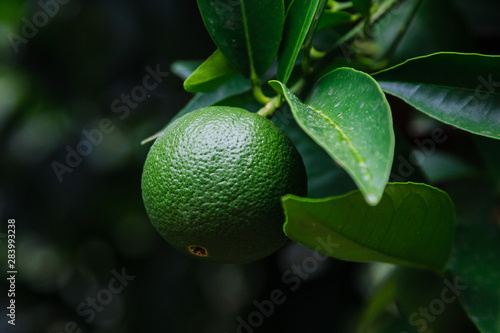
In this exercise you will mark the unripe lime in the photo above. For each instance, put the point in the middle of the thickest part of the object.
(212, 184)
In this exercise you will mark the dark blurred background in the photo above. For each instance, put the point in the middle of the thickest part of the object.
(80, 222)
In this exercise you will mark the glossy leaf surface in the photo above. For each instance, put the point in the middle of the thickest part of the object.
(248, 32)
(348, 116)
(297, 24)
(413, 225)
(216, 70)
(459, 89)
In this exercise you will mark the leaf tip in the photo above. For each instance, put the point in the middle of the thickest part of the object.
(278, 86)
(372, 199)
(186, 85)
(275, 84)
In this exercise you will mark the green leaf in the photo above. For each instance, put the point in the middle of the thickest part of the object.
(11, 12)
(184, 68)
(475, 263)
(375, 308)
(288, 4)
(363, 6)
(428, 31)
(412, 225)
(459, 89)
(324, 177)
(348, 116)
(233, 87)
(210, 74)
(248, 32)
(331, 19)
(297, 24)
(419, 295)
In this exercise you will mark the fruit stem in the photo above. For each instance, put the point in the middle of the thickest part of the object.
(276, 102)
(317, 54)
(335, 6)
(268, 109)
(257, 90)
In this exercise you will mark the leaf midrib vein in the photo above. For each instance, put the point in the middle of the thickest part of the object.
(247, 37)
(348, 141)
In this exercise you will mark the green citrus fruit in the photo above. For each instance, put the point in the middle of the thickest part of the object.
(212, 184)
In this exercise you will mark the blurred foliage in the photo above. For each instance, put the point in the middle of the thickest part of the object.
(73, 234)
